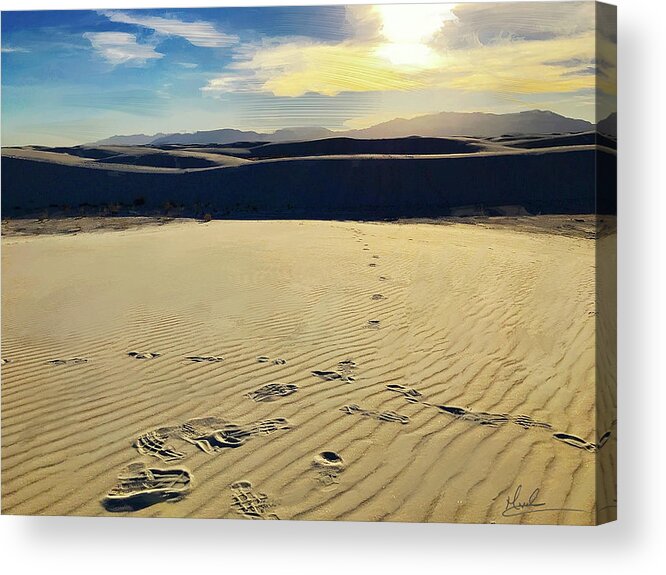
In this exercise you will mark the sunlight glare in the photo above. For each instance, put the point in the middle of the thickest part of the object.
(408, 28)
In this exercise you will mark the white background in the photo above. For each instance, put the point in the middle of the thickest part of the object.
(634, 544)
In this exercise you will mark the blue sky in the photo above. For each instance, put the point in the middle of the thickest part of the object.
(77, 76)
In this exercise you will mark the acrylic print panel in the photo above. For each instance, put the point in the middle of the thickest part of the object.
(326, 263)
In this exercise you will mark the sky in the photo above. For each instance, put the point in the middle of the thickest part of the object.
(70, 77)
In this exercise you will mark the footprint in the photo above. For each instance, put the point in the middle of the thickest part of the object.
(328, 458)
(493, 419)
(139, 486)
(199, 432)
(344, 373)
(383, 278)
(347, 366)
(204, 358)
(373, 323)
(575, 441)
(375, 257)
(526, 422)
(372, 265)
(456, 411)
(411, 395)
(332, 376)
(155, 443)
(209, 434)
(276, 361)
(377, 296)
(273, 391)
(267, 426)
(603, 439)
(249, 503)
(210, 438)
(327, 375)
(328, 465)
(147, 355)
(70, 361)
(480, 417)
(390, 416)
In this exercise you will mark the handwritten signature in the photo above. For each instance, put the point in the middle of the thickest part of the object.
(515, 506)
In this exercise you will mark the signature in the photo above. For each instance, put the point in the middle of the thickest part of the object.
(515, 505)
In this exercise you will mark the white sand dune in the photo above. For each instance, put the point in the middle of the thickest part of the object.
(127, 159)
(500, 323)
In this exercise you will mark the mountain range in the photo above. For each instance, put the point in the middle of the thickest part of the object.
(608, 125)
(443, 124)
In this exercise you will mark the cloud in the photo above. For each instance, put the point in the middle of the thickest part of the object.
(199, 33)
(299, 66)
(570, 63)
(517, 67)
(496, 48)
(484, 24)
(601, 64)
(234, 82)
(587, 71)
(387, 52)
(363, 22)
(121, 48)
(13, 49)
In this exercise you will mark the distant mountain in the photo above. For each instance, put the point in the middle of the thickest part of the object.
(133, 140)
(478, 124)
(608, 126)
(224, 136)
(444, 124)
(229, 136)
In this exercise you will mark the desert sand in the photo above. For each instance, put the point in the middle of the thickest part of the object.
(344, 370)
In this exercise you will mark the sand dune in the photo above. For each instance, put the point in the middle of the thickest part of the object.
(130, 159)
(583, 138)
(561, 180)
(174, 159)
(248, 369)
(351, 146)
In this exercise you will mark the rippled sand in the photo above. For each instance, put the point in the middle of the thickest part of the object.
(448, 361)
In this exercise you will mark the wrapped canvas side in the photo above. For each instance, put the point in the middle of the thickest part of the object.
(606, 264)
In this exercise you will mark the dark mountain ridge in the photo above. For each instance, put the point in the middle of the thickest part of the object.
(443, 124)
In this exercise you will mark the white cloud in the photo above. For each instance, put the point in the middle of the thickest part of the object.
(10, 49)
(233, 82)
(200, 33)
(488, 48)
(121, 48)
(489, 23)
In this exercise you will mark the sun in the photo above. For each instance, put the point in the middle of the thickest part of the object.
(408, 28)
(408, 54)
